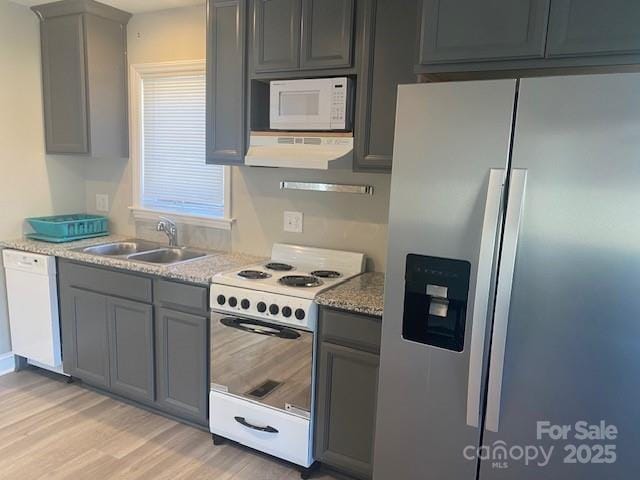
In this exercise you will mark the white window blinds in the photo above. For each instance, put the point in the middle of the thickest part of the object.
(175, 177)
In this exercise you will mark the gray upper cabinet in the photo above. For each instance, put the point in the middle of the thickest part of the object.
(299, 35)
(472, 30)
(182, 349)
(84, 335)
(327, 34)
(64, 85)
(226, 81)
(84, 76)
(276, 35)
(390, 50)
(131, 344)
(593, 27)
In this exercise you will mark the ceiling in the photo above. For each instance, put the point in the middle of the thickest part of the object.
(131, 6)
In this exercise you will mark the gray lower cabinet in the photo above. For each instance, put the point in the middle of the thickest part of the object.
(389, 59)
(131, 347)
(145, 339)
(593, 27)
(84, 325)
(226, 82)
(469, 30)
(346, 391)
(182, 357)
(327, 34)
(84, 78)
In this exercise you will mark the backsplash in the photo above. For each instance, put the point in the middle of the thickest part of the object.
(196, 237)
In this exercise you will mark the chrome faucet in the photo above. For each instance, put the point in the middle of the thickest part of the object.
(170, 228)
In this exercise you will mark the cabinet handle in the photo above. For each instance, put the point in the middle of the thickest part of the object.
(268, 428)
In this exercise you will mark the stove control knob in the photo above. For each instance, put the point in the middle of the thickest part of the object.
(300, 314)
(221, 300)
(262, 307)
(233, 301)
(274, 309)
(245, 304)
(286, 312)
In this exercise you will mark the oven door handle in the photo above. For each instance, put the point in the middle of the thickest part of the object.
(243, 421)
(260, 328)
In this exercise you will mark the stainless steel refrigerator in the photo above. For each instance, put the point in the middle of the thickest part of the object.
(511, 329)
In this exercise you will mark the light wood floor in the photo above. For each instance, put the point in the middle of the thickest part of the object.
(52, 430)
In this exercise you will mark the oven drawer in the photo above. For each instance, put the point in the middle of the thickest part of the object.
(236, 419)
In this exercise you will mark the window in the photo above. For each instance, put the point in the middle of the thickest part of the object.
(171, 176)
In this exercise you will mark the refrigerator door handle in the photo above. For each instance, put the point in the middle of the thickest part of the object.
(484, 274)
(515, 206)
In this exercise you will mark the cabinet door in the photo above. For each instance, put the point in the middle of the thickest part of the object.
(226, 82)
(471, 30)
(64, 84)
(327, 34)
(593, 27)
(347, 390)
(132, 368)
(182, 364)
(276, 35)
(390, 39)
(84, 335)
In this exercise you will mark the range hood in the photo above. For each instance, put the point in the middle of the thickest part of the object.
(297, 150)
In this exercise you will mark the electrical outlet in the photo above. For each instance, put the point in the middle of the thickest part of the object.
(293, 222)
(102, 203)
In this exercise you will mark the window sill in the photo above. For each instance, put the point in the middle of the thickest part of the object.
(140, 213)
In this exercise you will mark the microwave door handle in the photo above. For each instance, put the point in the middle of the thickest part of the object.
(260, 329)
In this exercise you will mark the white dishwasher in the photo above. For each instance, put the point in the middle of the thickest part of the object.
(32, 297)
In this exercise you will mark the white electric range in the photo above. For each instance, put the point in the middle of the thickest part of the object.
(263, 326)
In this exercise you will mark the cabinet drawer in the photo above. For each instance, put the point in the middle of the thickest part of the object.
(359, 331)
(231, 418)
(180, 296)
(106, 282)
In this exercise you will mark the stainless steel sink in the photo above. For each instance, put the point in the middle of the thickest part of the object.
(167, 256)
(117, 249)
(144, 251)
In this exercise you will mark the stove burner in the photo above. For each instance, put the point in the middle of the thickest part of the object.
(279, 267)
(253, 274)
(326, 274)
(300, 281)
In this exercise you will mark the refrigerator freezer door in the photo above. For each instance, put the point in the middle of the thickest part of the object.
(572, 350)
(448, 138)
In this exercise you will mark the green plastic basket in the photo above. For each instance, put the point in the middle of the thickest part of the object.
(70, 227)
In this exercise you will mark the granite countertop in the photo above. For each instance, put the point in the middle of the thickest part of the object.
(362, 294)
(198, 271)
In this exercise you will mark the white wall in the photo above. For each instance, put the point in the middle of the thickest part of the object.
(331, 220)
(163, 36)
(30, 183)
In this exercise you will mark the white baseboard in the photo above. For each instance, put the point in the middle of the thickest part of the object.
(7, 363)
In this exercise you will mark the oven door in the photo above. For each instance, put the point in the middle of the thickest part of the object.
(263, 362)
(301, 105)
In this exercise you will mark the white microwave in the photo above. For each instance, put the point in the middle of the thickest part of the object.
(311, 104)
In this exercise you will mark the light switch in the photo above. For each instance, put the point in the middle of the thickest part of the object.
(293, 222)
(102, 202)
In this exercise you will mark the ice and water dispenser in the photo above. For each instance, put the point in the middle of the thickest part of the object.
(435, 301)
